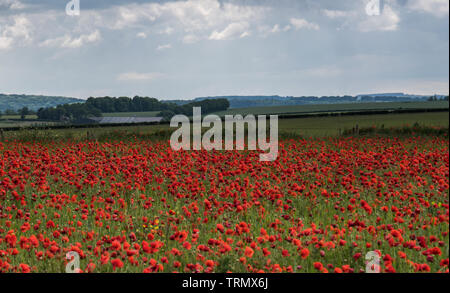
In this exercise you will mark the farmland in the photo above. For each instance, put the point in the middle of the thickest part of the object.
(302, 109)
(307, 127)
(330, 126)
(124, 201)
(31, 120)
(132, 114)
(138, 206)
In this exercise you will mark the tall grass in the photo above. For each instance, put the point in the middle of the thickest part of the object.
(133, 134)
(415, 130)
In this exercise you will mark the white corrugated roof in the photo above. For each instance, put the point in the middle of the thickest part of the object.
(111, 120)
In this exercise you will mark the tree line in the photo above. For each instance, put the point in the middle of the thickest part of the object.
(22, 112)
(436, 98)
(94, 107)
(68, 112)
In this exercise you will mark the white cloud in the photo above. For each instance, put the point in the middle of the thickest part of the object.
(206, 14)
(18, 32)
(164, 47)
(233, 30)
(190, 39)
(338, 13)
(268, 30)
(360, 20)
(387, 21)
(135, 76)
(438, 8)
(12, 4)
(68, 41)
(168, 31)
(300, 23)
(133, 14)
(286, 28)
(190, 16)
(199, 19)
(141, 35)
(245, 34)
(196, 19)
(5, 43)
(275, 29)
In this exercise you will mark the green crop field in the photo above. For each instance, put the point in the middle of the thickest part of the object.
(30, 120)
(132, 114)
(307, 127)
(6, 117)
(324, 126)
(5, 124)
(312, 123)
(336, 108)
(15, 121)
(142, 191)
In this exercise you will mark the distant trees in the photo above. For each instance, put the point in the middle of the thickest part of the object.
(24, 112)
(146, 104)
(10, 112)
(436, 98)
(166, 115)
(94, 107)
(125, 104)
(208, 105)
(68, 112)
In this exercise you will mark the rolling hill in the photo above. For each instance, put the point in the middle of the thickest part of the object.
(33, 102)
(273, 101)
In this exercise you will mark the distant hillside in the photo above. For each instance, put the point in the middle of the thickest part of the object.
(270, 101)
(400, 95)
(33, 102)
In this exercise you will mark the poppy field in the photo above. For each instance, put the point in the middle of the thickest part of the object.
(138, 206)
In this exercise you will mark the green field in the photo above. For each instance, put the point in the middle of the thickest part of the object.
(132, 114)
(30, 120)
(324, 126)
(8, 117)
(15, 120)
(308, 109)
(307, 127)
(312, 123)
(5, 124)
(336, 108)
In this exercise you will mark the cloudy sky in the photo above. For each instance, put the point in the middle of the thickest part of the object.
(185, 49)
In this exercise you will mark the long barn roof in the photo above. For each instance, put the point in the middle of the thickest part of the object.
(110, 120)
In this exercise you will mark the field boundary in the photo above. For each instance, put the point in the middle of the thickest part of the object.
(280, 116)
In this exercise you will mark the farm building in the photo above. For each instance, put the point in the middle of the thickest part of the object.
(124, 120)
